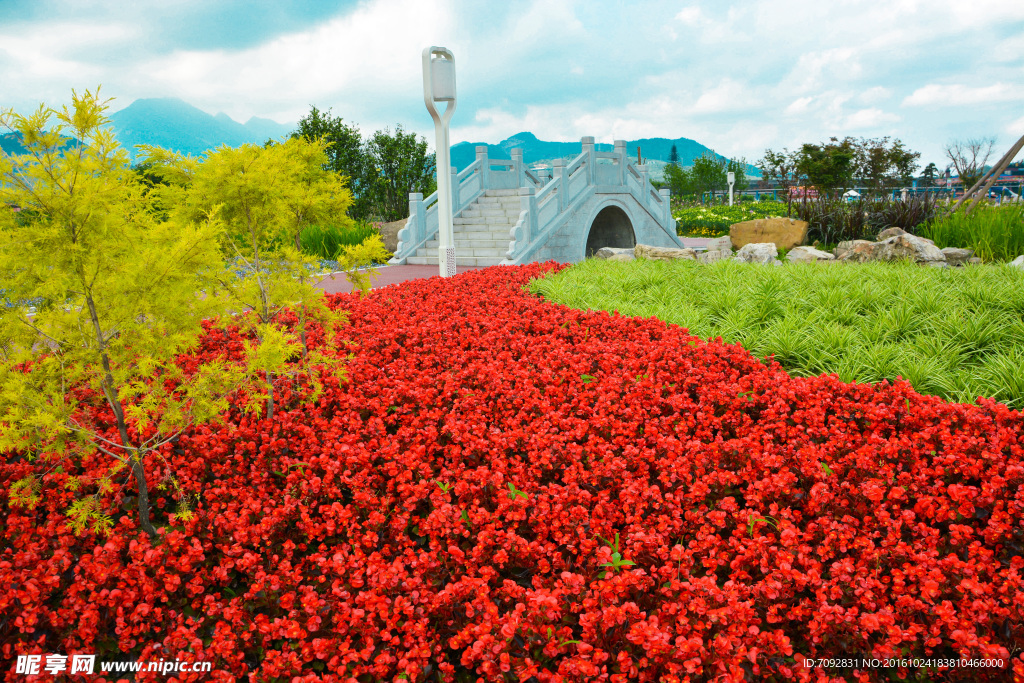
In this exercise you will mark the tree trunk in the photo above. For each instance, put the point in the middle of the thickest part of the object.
(270, 396)
(140, 481)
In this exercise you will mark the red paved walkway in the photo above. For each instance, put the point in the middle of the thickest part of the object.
(391, 275)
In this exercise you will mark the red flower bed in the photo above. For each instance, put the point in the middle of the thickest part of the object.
(507, 489)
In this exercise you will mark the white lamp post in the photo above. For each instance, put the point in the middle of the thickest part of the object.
(732, 181)
(439, 86)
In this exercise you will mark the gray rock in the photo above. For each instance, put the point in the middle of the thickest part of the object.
(957, 257)
(712, 256)
(621, 257)
(807, 254)
(758, 252)
(974, 261)
(936, 264)
(891, 232)
(907, 246)
(847, 251)
(608, 252)
(663, 253)
(1018, 262)
(721, 244)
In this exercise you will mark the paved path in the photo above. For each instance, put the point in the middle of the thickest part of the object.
(390, 275)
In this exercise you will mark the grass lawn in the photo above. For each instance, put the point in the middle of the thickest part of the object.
(955, 333)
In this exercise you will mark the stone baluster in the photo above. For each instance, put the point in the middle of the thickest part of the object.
(418, 217)
(517, 166)
(620, 150)
(485, 165)
(666, 196)
(588, 147)
(528, 203)
(456, 204)
(563, 183)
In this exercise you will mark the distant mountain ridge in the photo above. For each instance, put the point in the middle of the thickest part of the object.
(176, 125)
(536, 151)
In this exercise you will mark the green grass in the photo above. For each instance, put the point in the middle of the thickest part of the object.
(713, 221)
(326, 241)
(955, 333)
(995, 233)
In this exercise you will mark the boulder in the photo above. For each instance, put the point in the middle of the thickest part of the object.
(891, 232)
(907, 246)
(610, 252)
(663, 253)
(957, 257)
(973, 261)
(808, 254)
(853, 250)
(721, 244)
(715, 255)
(1018, 262)
(758, 252)
(389, 232)
(784, 233)
(621, 257)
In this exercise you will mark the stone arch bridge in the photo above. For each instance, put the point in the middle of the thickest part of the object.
(504, 213)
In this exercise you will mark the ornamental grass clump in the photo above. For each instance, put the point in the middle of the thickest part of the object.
(995, 233)
(953, 333)
(505, 488)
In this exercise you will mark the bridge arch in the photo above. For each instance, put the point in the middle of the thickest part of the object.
(610, 225)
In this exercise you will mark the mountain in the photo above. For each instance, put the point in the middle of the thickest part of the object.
(12, 143)
(536, 151)
(176, 125)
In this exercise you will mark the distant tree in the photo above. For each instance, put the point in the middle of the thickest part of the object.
(929, 175)
(881, 163)
(397, 164)
(779, 167)
(345, 154)
(708, 174)
(116, 301)
(679, 181)
(673, 156)
(969, 158)
(830, 167)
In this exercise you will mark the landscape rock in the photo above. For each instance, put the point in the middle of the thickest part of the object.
(896, 248)
(758, 252)
(957, 257)
(710, 256)
(808, 254)
(663, 253)
(720, 244)
(621, 257)
(389, 233)
(973, 261)
(610, 252)
(852, 250)
(1018, 262)
(784, 233)
(891, 232)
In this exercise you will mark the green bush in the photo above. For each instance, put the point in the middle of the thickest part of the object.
(712, 221)
(957, 333)
(327, 241)
(995, 233)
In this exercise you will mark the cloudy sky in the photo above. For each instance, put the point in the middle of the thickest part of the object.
(738, 76)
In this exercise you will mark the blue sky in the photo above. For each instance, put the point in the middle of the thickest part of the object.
(737, 76)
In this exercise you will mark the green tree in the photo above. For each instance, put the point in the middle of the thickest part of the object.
(266, 196)
(344, 148)
(881, 163)
(397, 165)
(673, 156)
(678, 180)
(709, 174)
(830, 167)
(929, 175)
(779, 167)
(115, 291)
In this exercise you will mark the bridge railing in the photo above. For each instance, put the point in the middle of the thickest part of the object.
(545, 203)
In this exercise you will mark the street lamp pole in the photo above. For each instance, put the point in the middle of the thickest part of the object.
(439, 86)
(732, 181)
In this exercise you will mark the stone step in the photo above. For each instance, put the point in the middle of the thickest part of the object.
(474, 243)
(459, 253)
(484, 212)
(482, 223)
(501, 193)
(498, 201)
(459, 260)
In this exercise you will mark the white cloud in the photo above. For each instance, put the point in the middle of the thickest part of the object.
(958, 94)
(799, 105)
(873, 95)
(690, 16)
(1017, 127)
(727, 96)
(868, 118)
